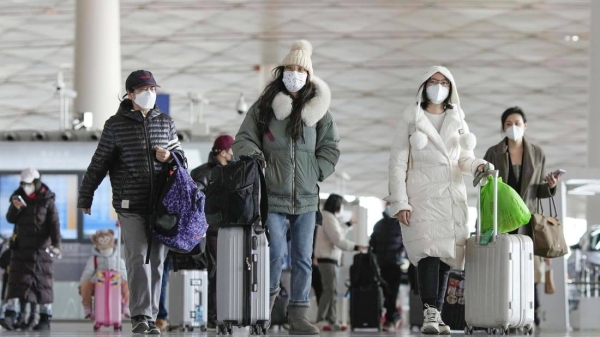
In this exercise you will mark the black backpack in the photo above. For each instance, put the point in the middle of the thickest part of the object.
(365, 273)
(237, 195)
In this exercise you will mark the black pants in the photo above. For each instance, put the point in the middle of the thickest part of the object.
(433, 280)
(316, 282)
(391, 274)
(211, 254)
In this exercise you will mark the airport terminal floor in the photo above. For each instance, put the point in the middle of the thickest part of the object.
(81, 329)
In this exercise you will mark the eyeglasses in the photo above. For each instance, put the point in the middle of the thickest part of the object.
(444, 83)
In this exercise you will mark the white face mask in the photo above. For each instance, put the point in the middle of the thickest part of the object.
(515, 132)
(294, 81)
(437, 93)
(29, 189)
(145, 99)
(106, 252)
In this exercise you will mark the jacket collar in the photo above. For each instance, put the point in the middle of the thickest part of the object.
(503, 162)
(313, 111)
(126, 110)
(444, 140)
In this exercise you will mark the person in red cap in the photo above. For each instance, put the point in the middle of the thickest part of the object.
(220, 155)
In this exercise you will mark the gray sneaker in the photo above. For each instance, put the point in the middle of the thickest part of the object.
(152, 329)
(139, 324)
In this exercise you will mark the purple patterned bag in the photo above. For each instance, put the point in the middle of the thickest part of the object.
(179, 220)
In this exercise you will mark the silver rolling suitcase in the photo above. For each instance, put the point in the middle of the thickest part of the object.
(188, 300)
(243, 279)
(499, 289)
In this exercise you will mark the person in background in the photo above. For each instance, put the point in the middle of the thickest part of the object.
(386, 243)
(37, 240)
(104, 257)
(316, 282)
(134, 145)
(328, 251)
(432, 150)
(291, 130)
(522, 165)
(220, 155)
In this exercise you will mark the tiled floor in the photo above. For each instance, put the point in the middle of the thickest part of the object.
(82, 329)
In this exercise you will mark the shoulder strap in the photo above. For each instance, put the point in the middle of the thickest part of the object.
(95, 262)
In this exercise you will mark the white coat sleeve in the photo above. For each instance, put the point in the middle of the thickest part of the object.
(398, 168)
(335, 234)
(123, 270)
(88, 271)
(467, 162)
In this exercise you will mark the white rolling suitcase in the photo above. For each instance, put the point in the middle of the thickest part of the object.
(188, 300)
(243, 279)
(499, 289)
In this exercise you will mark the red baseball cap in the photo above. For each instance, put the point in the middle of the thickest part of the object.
(223, 143)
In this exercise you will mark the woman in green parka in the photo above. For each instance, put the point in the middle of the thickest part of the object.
(291, 129)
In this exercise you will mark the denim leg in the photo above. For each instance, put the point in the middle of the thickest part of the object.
(302, 228)
(278, 246)
(162, 307)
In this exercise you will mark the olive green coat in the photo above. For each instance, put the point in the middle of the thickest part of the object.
(293, 168)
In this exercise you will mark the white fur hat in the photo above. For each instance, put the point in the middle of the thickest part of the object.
(418, 139)
(299, 55)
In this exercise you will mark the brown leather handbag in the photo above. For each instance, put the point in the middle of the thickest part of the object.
(548, 235)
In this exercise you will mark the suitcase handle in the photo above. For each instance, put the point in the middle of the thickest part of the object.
(494, 174)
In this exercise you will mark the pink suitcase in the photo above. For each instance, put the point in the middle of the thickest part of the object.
(499, 289)
(107, 296)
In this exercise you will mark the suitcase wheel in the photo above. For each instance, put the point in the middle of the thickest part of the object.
(96, 327)
(528, 330)
(203, 328)
(468, 330)
(118, 327)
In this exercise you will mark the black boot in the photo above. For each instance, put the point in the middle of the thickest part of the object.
(8, 322)
(26, 324)
(44, 324)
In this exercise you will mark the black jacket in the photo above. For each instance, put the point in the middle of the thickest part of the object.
(37, 227)
(201, 176)
(386, 241)
(126, 152)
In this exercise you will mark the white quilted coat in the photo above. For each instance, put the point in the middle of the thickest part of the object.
(429, 182)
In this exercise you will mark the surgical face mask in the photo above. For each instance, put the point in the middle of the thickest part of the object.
(106, 252)
(387, 210)
(29, 188)
(294, 81)
(437, 93)
(145, 99)
(515, 132)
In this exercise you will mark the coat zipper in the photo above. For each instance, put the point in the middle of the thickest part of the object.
(294, 177)
(150, 165)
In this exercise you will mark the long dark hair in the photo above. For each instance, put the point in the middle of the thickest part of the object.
(425, 100)
(333, 203)
(295, 127)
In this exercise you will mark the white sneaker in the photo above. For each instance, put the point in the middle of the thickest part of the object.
(430, 321)
(444, 329)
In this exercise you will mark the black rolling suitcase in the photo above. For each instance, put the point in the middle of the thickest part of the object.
(453, 312)
(366, 295)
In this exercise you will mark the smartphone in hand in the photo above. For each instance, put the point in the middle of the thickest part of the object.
(558, 173)
(18, 197)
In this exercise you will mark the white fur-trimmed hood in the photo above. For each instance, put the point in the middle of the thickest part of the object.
(313, 111)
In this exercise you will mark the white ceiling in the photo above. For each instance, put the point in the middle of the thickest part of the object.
(370, 52)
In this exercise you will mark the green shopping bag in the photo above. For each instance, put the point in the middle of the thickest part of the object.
(512, 211)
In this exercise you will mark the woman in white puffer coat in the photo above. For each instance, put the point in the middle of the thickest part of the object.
(432, 150)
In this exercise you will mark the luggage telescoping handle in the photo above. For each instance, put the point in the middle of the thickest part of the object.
(494, 174)
(119, 251)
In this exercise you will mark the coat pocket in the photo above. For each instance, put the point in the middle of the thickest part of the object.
(241, 206)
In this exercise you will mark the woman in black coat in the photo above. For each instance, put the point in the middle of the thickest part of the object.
(37, 228)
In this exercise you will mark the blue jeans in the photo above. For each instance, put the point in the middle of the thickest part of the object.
(302, 229)
(162, 308)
